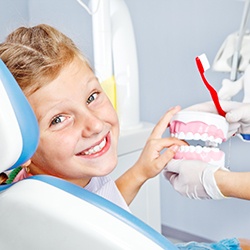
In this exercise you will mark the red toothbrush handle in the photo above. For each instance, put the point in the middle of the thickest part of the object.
(214, 96)
(212, 91)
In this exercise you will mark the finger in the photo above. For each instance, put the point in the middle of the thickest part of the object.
(166, 157)
(203, 107)
(169, 143)
(236, 115)
(210, 107)
(161, 126)
(233, 128)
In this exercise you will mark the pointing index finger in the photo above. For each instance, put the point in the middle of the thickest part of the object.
(163, 123)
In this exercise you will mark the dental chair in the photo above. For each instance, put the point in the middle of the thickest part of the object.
(44, 212)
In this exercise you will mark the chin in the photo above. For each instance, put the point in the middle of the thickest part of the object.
(109, 166)
(204, 132)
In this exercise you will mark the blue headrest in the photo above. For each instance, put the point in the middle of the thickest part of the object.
(19, 131)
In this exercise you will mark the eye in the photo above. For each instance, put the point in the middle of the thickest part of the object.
(92, 97)
(58, 119)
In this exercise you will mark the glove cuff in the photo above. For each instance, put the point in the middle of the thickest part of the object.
(209, 183)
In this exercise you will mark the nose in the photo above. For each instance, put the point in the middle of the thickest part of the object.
(91, 124)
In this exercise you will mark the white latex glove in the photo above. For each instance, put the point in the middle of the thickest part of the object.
(227, 106)
(241, 115)
(193, 179)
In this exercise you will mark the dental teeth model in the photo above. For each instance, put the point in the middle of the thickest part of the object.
(210, 129)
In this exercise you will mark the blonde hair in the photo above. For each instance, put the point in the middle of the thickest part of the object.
(36, 55)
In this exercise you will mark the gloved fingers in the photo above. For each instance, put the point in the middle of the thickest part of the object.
(233, 129)
(193, 194)
(229, 89)
(210, 107)
(239, 114)
(202, 107)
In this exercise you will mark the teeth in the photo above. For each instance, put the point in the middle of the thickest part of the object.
(204, 137)
(210, 138)
(96, 148)
(197, 136)
(191, 149)
(197, 149)
(181, 136)
(218, 140)
(190, 136)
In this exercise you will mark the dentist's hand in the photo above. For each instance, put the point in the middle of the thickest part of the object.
(237, 115)
(241, 115)
(193, 179)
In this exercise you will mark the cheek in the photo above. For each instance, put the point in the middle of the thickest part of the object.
(114, 121)
(55, 147)
(111, 114)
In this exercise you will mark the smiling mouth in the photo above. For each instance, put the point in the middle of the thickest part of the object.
(95, 149)
(207, 128)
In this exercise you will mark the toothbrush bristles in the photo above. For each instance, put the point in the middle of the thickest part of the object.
(204, 62)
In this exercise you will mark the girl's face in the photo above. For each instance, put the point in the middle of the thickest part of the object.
(79, 127)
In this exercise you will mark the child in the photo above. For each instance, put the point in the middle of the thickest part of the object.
(79, 128)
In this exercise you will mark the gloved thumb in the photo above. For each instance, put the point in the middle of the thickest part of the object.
(170, 176)
(173, 166)
(171, 171)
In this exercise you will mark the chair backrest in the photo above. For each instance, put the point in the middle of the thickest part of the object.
(44, 212)
(19, 133)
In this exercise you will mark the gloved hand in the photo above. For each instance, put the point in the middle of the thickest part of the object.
(238, 116)
(241, 115)
(193, 179)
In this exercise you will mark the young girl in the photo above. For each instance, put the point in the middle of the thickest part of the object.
(79, 128)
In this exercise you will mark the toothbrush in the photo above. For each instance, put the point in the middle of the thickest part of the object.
(203, 65)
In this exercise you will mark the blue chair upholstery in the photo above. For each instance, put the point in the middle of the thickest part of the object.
(45, 212)
(19, 130)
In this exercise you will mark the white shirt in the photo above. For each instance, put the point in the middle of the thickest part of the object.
(106, 188)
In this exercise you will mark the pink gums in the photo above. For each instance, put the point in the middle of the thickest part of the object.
(196, 127)
(203, 156)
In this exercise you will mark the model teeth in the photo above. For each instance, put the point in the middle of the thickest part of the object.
(197, 149)
(96, 148)
(196, 136)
